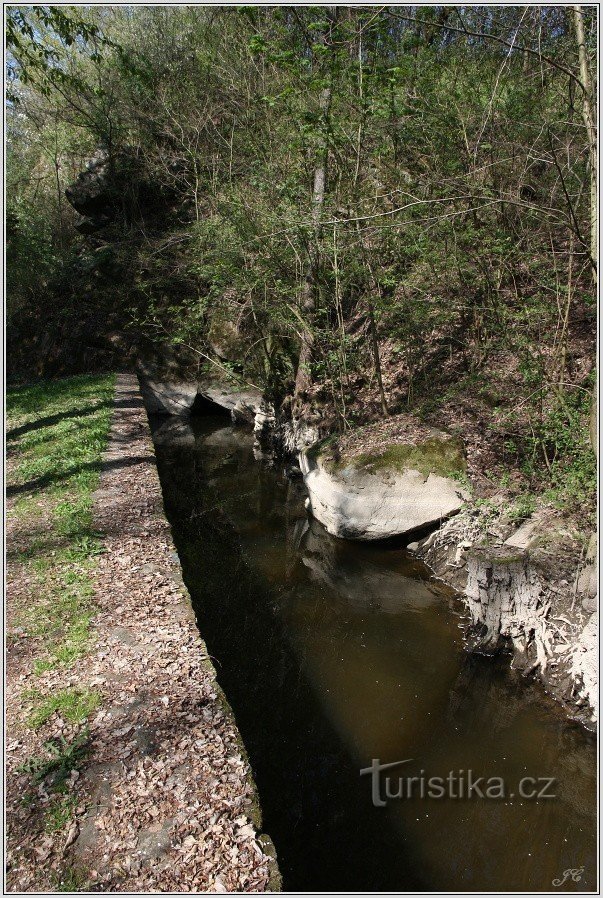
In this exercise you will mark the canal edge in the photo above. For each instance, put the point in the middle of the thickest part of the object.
(255, 811)
(130, 440)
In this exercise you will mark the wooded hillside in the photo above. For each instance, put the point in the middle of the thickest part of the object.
(360, 210)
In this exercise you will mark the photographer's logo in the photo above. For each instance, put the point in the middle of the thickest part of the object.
(575, 874)
(457, 784)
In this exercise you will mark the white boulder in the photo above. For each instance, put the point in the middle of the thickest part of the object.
(373, 499)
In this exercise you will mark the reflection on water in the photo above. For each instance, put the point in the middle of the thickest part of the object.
(334, 653)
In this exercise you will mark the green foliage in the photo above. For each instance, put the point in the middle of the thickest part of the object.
(64, 450)
(31, 257)
(521, 508)
(60, 759)
(448, 249)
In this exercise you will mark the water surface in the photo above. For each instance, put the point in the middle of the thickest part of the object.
(334, 653)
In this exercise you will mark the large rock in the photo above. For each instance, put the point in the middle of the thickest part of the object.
(183, 398)
(398, 490)
(526, 537)
(168, 397)
(93, 193)
(243, 405)
(99, 192)
(585, 666)
(93, 224)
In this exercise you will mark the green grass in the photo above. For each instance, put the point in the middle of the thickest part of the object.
(58, 430)
(59, 813)
(71, 879)
(56, 434)
(521, 508)
(73, 704)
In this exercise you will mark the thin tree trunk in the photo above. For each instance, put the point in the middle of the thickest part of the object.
(377, 357)
(373, 327)
(593, 422)
(588, 115)
(303, 380)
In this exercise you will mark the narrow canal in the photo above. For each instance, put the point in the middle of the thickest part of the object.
(333, 654)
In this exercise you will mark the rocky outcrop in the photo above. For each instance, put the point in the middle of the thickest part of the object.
(111, 185)
(95, 194)
(264, 425)
(506, 599)
(171, 397)
(274, 435)
(297, 435)
(585, 666)
(395, 492)
(243, 405)
(92, 193)
(184, 398)
(588, 580)
(92, 224)
(168, 397)
(525, 591)
(278, 436)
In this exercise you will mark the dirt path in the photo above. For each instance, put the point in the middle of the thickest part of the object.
(164, 800)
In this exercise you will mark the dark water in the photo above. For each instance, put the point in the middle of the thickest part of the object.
(333, 653)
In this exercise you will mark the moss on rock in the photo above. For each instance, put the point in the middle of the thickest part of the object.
(435, 455)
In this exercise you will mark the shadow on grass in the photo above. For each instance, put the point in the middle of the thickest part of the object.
(51, 420)
(40, 483)
(72, 547)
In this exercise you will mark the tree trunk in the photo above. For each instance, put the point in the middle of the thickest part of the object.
(588, 114)
(593, 423)
(303, 379)
(377, 358)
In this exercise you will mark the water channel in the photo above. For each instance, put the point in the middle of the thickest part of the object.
(334, 653)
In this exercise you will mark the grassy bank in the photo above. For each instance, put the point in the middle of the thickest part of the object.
(56, 434)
